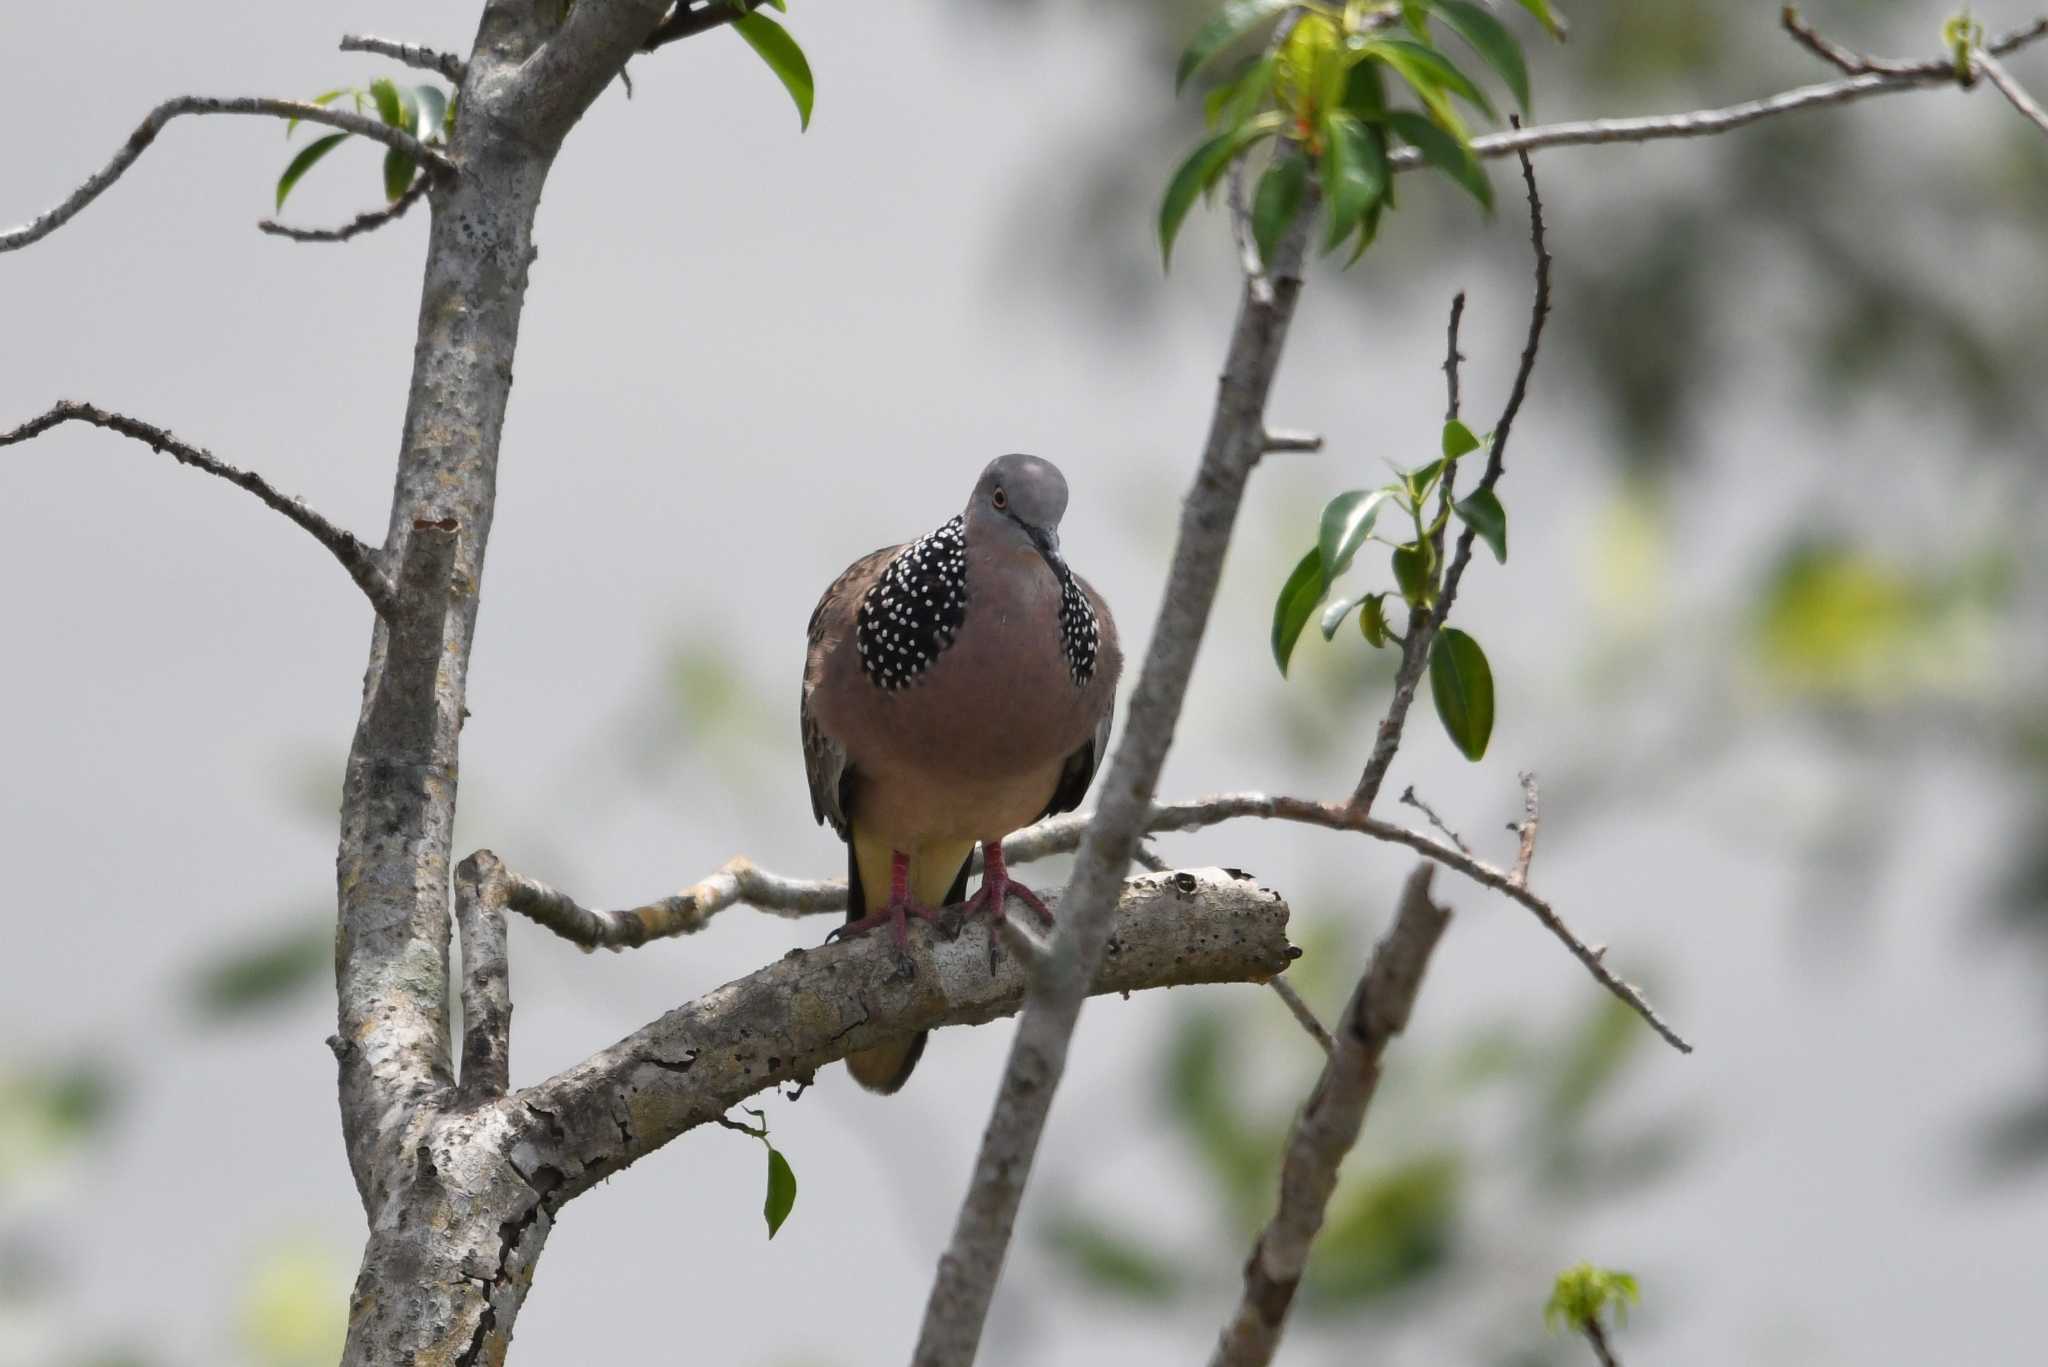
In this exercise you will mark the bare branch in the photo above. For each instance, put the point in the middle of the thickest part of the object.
(1526, 829)
(361, 223)
(1424, 622)
(145, 133)
(1707, 122)
(1293, 441)
(359, 560)
(1329, 1125)
(688, 23)
(1285, 991)
(486, 985)
(1409, 799)
(1060, 834)
(1453, 357)
(1837, 56)
(412, 54)
(1995, 72)
(967, 1273)
(1255, 280)
(683, 913)
(813, 1007)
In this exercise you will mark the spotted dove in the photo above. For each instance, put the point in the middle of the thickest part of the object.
(957, 688)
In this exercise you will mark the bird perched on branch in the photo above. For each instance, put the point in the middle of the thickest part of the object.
(957, 688)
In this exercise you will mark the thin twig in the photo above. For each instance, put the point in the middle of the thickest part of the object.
(1526, 829)
(686, 22)
(1425, 621)
(412, 54)
(1707, 122)
(1602, 1349)
(1241, 232)
(1302, 1013)
(683, 913)
(1995, 72)
(1453, 357)
(361, 223)
(1329, 1125)
(1834, 54)
(145, 133)
(355, 557)
(1409, 799)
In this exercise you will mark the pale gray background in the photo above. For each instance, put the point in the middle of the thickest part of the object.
(749, 356)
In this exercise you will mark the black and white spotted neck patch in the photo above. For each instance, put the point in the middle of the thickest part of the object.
(1079, 635)
(915, 609)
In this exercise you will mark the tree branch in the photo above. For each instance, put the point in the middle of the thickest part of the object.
(1995, 72)
(1302, 1014)
(361, 223)
(356, 558)
(1526, 829)
(1707, 122)
(486, 979)
(688, 23)
(1329, 1125)
(1424, 622)
(1063, 833)
(684, 913)
(412, 54)
(813, 1007)
(145, 133)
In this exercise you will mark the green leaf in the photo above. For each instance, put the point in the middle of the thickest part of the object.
(781, 1190)
(1483, 513)
(433, 111)
(1236, 19)
(1372, 621)
(1200, 171)
(1461, 683)
(1233, 102)
(1277, 200)
(771, 41)
(1411, 572)
(1548, 17)
(1422, 479)
(1495, 45)
(1583, 1294)
(391, 106)
(1428, 70)
(1443, 151)
(1458, 439)
(399, 168)
(304, 161)
(1334, 615)
(1354, 173)
(1365, 91)
(1347, 521)
(323, 99)
(1298, 598)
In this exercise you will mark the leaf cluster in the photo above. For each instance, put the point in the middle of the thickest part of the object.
(1327, 97)
(1583, 1294)
(1461, 681)
(426, 112)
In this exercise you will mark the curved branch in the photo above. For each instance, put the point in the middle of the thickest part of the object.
(1995, 72)
(813, 1007)
(688, 23)
(359, 560)
(362, 223)
(412, 54)
(1891, 79)
(145, 133)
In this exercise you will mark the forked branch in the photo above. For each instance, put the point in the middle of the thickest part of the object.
(145, 133)
(355, 557)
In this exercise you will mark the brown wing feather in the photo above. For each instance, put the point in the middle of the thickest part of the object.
(825, 763)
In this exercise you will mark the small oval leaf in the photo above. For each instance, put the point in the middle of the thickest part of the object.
(772, 43)
(1334, 615)
(304, 161)
(1461, 685)
(1484, 514)
(1550, 18)
(399, 168)
(433, 111)
(1354, 174)
(1298, 598)
(781, 1190)
(1278, 200)
(1200, 171)
(1372, 621)
(1428, 70)
(1411, 572)
(1347, 522)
